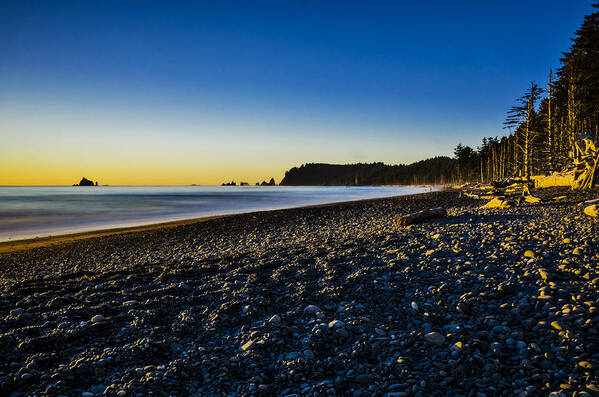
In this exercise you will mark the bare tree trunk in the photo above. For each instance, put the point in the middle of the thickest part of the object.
(526, 139)
(502, 162)
(571, 110)
(481, 169)
(496, 163)
(515, 153)
(549, 126)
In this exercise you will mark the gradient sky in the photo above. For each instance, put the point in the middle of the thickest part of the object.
(147, 92)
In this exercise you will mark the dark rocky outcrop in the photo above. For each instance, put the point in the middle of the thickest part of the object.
(269, 183)
(86, 182)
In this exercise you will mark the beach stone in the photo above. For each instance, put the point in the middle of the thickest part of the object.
(585, 365)
(336, 324)
(341, 332)
(311, 309)
(529, 254)
(557, 325)
(276, 319)
(544, 274)
(434, 338)
(97, 318)
(458, 346)
(363, 378)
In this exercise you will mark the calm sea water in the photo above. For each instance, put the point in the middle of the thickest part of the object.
(42, 211)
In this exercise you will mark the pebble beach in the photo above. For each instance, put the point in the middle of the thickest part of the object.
(333, 300)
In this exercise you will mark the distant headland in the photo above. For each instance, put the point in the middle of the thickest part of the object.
(432, 171)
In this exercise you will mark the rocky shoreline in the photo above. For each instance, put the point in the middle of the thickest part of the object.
(330, 300)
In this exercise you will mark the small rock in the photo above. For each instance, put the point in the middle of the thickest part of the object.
(97, 318)
(557, 325)
(363, 378)
(336, 324)
(275, 319)
(310, 309)
(434, 338)
(585, 365)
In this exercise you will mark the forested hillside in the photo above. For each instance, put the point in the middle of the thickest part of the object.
(437, 170)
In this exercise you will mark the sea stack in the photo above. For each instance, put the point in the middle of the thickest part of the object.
(86, 182)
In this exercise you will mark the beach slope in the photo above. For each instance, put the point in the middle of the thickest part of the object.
(328, 300)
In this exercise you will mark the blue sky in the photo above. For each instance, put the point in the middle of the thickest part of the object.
(201, 92)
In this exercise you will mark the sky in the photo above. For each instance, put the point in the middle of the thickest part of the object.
(174, 93)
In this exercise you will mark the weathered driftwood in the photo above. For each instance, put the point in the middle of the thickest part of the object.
(517, 189)
(586, 159)
(529, 198)
(582, 173)
(422, 216)
(556, 178)
(499, 202)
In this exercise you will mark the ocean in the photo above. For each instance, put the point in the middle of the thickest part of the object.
(41, 211)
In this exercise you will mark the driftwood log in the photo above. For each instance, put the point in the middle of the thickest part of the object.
(421, 216)
(585, 155)
(500, 202)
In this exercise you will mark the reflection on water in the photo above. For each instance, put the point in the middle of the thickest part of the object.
(41, 211)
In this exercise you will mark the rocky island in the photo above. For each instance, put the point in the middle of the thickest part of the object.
(86, 182)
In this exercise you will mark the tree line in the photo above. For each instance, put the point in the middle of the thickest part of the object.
(436, 170)
(546, 120)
